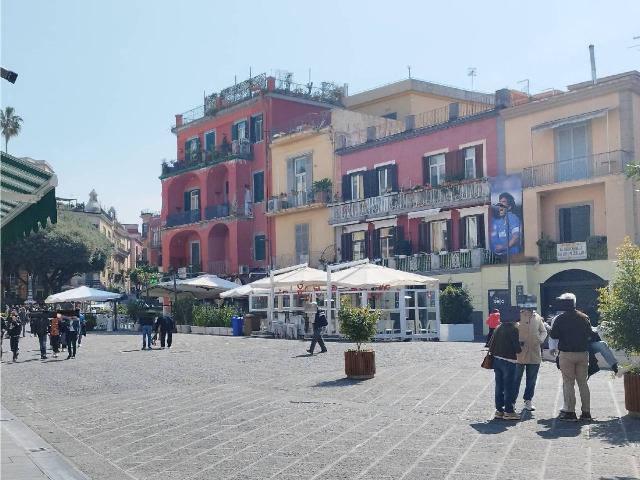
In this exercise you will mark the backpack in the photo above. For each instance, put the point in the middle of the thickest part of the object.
(321, 319)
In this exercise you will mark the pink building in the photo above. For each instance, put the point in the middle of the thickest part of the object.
(213, 195)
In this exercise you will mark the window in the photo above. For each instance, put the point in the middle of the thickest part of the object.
(256, 128)
(571, 152)
(195, 200)
(210, 141)
(439, 235)
(191, 149)
(239, 130)
(259, 247)
(302, 242)
(145, 229)
(357, 186)
(471, 240)
(258, 187)
(436, 169)
(575, 223)
(470, 163)
(300, 174)
(384, 181)
(386, 242)
(391, 115)
(359, 248)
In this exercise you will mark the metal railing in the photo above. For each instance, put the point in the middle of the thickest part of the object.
(155, 244)
(443, 261)
(314, 259)
(597, 249)
(327, 92)
(296, 200)
(473, 192)
(183, 218)
(438, 116)
(579, 168)
(219, 267)
(217, 211)
(236, 150)
(308, 121)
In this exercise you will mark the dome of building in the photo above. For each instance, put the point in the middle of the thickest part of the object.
(92, 205)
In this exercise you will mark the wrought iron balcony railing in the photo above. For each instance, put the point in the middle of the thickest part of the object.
(463, 194)
(443, 261)
(183, 218)
(594, 248)
(579, 168)
(236, 150)
(296, 200)
(217, 211)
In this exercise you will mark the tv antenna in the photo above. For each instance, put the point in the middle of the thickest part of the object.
(526, 85)
(472, 72)
(637, 45)
(409, 68)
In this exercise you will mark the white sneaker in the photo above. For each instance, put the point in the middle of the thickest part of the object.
(529, 406)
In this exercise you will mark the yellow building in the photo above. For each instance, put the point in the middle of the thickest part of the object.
(571, 149)
(304, 174)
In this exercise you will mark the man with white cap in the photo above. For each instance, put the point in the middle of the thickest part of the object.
(319, 322)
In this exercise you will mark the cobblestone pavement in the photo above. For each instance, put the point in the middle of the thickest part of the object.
(241, 408)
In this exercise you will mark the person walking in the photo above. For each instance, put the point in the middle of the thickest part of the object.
(54, 334)
(319, 322)
(572, 329)
(24, 319)
(165, 324)
(531, 334)
(83, 328)
(41, 329)
(493, 320)
(14, 329)
(72, 336)
(146, 321)
(504, 347)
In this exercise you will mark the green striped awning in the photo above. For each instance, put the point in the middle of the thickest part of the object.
(27, 197)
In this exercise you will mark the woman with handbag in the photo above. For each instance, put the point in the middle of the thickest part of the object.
(504, 348)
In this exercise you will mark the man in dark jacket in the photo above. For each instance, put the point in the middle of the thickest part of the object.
(505, 346)
(319, 322)
(146, 321)
(41, 329)
(572, 329)
(14, 329)
(165, 324)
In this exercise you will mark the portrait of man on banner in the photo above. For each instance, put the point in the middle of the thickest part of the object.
(506, 215)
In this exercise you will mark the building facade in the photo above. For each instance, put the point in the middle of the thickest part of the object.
(151, 238)
(214, 195)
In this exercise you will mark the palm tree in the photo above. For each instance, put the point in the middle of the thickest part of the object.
(10, 123)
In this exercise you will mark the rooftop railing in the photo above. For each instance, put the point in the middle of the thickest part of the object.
(236, 150)
(579, 168)
(309, 121)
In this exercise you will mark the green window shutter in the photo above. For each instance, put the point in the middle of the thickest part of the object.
(258, 187)
(187, 201)
(259, 247)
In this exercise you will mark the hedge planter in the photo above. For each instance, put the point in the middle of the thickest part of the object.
(183, 328)
(456, 332)
(360, 365)
(211, 330)
(198, 330)
(632, 394)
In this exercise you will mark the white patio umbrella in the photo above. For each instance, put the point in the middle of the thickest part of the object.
(244, 291)
(82, 294)
(369, 275)
(307, 276)
(204, 286)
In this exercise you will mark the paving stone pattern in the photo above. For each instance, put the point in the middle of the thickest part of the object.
(242, 408)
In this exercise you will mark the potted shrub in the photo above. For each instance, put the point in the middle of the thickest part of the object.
(359, 325)
(455, 315)
(200, 319)
(619, 305)
(322, 190)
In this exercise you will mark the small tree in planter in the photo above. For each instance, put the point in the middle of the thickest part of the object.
(322, 189)
(359, 325)
(619, 309)
(455, 309)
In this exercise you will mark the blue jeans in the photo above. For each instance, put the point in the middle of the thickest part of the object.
(530, 382)
(602, 348)
(506, 392)
(43, 344)
(146, 335)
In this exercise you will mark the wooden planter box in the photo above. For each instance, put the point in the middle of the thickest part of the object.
(632, 394)
(360, 365)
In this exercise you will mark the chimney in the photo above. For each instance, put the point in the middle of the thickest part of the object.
(592, 56)
(271, 84)
(503, 98)
(178, 120)
(371, 133)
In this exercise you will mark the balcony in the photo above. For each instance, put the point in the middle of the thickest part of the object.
(463, 194)
(217, 211)
(441, 262)
(314, 259)
(219, 267)
(580, 168)
(236, 150)
(183, 218)
(155, 243)
(293, 200)
(594, 248)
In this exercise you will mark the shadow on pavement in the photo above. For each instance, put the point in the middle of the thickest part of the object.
(611, 431)
(303, 355)
(341, 382)
(559, 428)
(493, 427)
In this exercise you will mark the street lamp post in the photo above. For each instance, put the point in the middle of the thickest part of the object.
(506, 216)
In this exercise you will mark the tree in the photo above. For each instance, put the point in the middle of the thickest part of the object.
(143, 275)
(10, 123)
(358, 324)
(455, 305)
(58, 252)
(619, 304)
(633, 171)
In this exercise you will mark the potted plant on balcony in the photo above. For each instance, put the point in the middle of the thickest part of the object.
(359, 325)
(619, 304)
(455, 315)
(322, 190)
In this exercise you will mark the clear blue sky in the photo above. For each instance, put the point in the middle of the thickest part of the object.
(100, 81)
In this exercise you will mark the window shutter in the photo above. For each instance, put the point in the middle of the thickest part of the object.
(291, 176)
(368, 182)
(424, 237)
(393, 172)
(398, 240)
(479, 162)
(481, 234)
(346, 187)
(450, 164)
(258, 187)
(376, 243)
(259, 247)
(234, 131)
(346, 247)
(309, 170)
(367, 244)
(252, 127)
(449, 235)
(426, 175)
(463, 232)
(187, 201)
(565, 225)
(199, 199)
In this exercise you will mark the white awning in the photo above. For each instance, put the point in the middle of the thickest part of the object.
(356, 227)
(583, 117)
(392, 222)
(432, 212)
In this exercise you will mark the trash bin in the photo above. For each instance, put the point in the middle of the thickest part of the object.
(236, 326)
(251, 324)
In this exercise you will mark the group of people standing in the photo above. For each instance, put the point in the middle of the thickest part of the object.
(516, 351)
(161, 325)
(64, 329)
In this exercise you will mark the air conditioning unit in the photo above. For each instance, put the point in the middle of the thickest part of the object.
(272, 205)
(243, 269)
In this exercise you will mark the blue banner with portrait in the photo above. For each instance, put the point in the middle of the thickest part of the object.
(506, 229)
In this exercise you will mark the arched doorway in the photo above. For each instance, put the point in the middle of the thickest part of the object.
(218, 248)
(582, 283)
